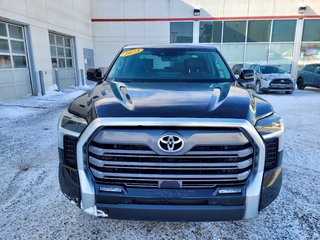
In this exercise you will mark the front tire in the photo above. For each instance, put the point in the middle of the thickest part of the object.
(300, 84)
(258, 87)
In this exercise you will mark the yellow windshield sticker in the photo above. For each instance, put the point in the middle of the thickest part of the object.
(131, 52)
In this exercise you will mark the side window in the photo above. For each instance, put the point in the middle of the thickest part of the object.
(317, 70)
(306, 68)
(310, 68)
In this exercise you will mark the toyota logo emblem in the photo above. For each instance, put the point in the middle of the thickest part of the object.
(170, 143)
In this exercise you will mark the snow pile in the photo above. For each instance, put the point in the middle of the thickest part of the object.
(32, 105)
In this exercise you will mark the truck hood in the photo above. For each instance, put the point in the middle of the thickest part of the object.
(174, 99)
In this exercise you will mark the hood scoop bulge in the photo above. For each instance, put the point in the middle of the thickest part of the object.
(121, 93)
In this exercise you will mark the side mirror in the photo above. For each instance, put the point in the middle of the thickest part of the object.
(94, 74)
(246, 75)
(237, 71)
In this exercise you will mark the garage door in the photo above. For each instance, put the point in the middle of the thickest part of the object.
(14, 72)
(62, 59)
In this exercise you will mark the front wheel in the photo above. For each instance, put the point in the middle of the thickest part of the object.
(300, 84)
(258, 87)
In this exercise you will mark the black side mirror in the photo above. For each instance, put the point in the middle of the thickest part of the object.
(94, 74)
(246, 75)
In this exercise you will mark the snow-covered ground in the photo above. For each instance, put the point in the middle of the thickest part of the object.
(32, 206)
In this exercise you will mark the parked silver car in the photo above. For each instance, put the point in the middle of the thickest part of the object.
(272, 78)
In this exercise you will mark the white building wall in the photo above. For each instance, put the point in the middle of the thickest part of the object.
(110, 36)
(67, 17)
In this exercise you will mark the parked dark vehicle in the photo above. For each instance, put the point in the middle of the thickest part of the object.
(272, 78)
(166, 135)
(309, 76)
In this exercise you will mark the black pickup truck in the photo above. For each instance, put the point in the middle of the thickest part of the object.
(167, 134)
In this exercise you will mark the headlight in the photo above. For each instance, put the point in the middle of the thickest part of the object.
(70, 124)
(269, 126)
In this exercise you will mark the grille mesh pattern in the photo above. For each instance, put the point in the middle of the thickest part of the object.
(202, 166)
(70, 151)
(271, 154)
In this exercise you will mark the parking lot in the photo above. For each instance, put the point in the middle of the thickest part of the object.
(32, 206)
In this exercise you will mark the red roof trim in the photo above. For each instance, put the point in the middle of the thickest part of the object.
(199, 18)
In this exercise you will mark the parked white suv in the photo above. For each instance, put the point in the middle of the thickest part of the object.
(272, 78)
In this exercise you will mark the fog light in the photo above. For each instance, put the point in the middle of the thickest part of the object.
(229, 190)
(111, 189)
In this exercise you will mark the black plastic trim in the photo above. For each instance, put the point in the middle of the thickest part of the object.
(271, 186)
(69, 182)
(175, 213)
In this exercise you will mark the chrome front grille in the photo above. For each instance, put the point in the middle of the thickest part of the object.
(281, 84)
(131, 157)
(281, 81)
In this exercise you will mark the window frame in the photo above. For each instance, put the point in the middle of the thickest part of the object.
(175, 22)
(10, 53)
(270, 23)
(57, 58)
(233, 42)
(221, 31)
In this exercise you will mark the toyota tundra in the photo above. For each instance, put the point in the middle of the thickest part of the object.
(168, 134)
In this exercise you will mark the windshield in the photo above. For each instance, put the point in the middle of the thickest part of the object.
(271, 69)
(169, 64)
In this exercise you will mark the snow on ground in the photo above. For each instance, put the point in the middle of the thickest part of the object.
(28, 106)
(32, 206)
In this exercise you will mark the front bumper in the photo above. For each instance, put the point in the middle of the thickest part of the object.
(207, 207)
(170, 204)
(277, 87)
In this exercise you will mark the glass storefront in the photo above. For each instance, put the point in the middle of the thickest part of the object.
(254, 41)
(310, 45)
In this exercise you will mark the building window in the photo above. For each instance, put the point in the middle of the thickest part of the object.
(310, 46)
(281, 53)
(310, 53)
(259, 31)
(181, 32)
(61, 51)
(210, 32)
(12, 46)
(283, 30)
(257, 52)
(234, 31)
(233, 53)
(311, 30)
